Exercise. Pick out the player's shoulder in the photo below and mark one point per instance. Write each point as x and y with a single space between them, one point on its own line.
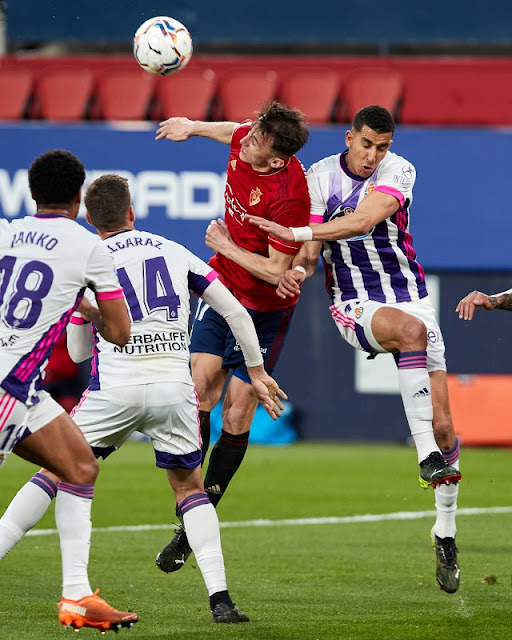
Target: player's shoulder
326 165
392 160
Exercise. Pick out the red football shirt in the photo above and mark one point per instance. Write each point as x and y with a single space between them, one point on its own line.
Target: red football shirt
281 196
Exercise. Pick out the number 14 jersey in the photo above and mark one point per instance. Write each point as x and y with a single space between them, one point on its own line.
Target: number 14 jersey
157 276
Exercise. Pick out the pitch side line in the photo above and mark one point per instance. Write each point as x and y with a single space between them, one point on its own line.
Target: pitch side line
370 517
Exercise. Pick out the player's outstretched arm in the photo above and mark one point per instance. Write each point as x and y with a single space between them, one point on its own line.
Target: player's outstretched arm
466 307
179 129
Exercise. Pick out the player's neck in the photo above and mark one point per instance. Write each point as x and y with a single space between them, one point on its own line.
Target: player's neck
55 211
106 234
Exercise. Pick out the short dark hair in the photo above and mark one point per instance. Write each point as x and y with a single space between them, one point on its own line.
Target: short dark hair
287 127
375 117
107 200
55 177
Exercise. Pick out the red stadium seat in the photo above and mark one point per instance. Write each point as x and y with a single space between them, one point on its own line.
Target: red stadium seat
63 94
15 89
370 86
187 94
312 92
125 95
243 93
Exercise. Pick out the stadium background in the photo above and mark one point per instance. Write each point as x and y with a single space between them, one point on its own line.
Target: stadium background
461 213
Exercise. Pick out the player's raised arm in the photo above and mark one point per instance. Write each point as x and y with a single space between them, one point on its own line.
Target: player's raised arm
179 129
265 387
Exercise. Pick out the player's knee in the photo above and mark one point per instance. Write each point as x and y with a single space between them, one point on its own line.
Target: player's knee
413 335
82 472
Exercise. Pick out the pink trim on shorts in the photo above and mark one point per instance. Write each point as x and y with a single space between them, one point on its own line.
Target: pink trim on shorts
340 317
110 295
9 403
392 192
213 275
79 403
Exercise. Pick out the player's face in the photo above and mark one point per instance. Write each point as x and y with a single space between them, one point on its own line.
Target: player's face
366 148
257 151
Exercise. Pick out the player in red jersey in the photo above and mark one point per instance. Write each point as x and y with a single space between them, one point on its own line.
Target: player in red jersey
263 178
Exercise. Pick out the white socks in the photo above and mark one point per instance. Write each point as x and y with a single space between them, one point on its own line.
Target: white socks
414 383
26 509
73 518
203 533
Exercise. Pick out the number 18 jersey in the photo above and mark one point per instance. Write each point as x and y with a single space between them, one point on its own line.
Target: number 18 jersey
46 262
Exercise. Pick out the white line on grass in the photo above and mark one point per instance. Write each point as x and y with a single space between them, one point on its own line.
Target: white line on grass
370 517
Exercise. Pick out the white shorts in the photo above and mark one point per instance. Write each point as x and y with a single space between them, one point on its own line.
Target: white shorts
167 412
354 321
18 421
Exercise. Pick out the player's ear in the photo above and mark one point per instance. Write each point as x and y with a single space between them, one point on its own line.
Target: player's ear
277 163
131 214
87 217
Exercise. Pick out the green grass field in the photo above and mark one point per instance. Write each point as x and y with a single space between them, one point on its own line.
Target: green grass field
296 581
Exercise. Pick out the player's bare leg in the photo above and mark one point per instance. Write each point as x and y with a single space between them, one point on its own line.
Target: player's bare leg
61 447
403 334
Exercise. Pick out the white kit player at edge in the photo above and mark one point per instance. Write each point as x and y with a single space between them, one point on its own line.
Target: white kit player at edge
146 384
46 263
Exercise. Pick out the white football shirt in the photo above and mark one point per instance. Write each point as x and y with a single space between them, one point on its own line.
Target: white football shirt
157 276
380 265
46 262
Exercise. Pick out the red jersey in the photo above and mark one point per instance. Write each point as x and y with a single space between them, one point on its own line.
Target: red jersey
281 196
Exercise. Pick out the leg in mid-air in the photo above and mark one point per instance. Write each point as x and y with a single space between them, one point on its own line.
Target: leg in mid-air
406 336
444 529
61 448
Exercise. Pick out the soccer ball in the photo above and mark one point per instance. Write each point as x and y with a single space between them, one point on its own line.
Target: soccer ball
162 46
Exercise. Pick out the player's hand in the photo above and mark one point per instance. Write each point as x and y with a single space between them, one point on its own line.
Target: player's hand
267 391
218 237
466 307
272 228
175 129
87 310
289 283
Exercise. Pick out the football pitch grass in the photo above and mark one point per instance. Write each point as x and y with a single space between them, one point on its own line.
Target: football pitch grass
318 576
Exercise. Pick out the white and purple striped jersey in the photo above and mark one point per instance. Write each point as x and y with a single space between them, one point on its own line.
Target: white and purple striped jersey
46 263
157 276
381 265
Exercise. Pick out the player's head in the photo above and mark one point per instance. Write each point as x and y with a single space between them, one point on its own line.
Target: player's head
108 203
369 139
277 134
55 179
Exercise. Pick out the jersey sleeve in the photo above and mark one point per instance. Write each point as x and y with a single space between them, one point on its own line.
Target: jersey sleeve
200 274
100 275
397 178
318 205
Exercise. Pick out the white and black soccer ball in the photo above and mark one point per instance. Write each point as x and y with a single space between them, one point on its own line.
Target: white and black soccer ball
162 45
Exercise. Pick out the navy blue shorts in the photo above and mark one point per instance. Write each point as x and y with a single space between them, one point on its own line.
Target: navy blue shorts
211 334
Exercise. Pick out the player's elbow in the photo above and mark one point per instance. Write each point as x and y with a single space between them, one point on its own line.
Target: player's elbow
119 333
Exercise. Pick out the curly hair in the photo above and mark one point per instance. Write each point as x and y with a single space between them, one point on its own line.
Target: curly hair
55 177
375 117
107 200
286 127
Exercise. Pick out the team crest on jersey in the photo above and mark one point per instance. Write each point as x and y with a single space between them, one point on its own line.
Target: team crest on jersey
358 312
370 188
233 164
255 197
